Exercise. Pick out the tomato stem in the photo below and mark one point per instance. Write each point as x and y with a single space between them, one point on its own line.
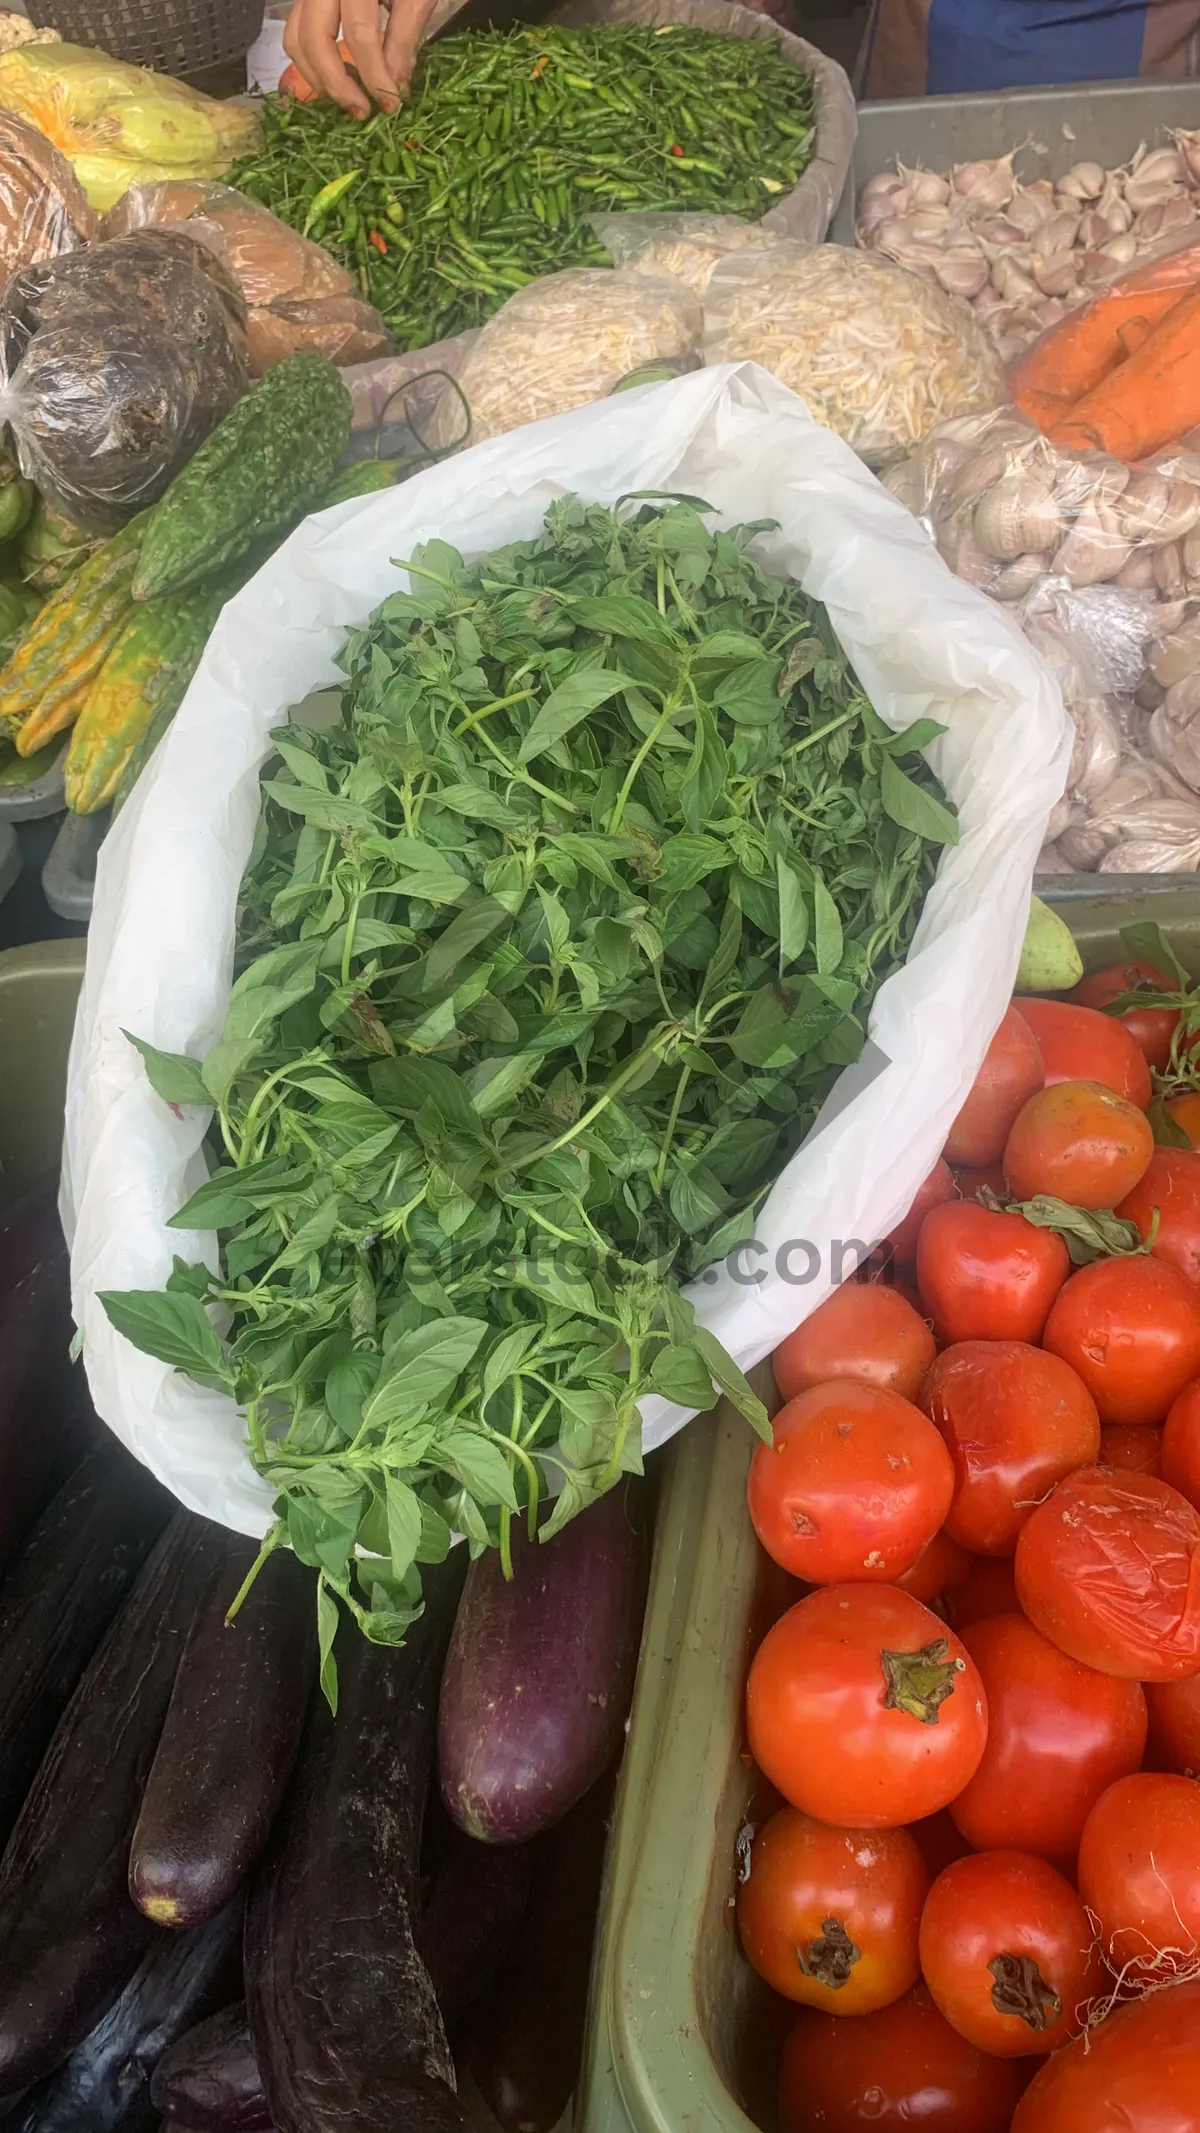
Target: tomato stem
831 1958
1021 1990
919 1682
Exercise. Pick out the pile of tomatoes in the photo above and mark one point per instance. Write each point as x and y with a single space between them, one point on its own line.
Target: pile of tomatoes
983 1710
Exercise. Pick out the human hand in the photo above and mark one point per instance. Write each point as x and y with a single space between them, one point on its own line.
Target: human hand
384 62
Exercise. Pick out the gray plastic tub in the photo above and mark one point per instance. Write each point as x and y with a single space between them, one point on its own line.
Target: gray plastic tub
69 875
1049 128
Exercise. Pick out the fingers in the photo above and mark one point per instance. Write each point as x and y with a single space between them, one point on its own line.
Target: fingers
401 43
310 38
360 34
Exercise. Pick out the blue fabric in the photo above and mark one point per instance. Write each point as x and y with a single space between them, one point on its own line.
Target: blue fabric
1010 44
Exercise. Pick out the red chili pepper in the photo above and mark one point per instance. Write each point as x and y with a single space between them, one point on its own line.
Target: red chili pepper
676 150
412 143
539 66
373 237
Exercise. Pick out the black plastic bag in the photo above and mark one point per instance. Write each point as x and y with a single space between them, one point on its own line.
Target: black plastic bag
115 363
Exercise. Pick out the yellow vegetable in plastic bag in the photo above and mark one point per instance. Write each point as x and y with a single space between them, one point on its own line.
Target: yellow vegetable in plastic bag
120 125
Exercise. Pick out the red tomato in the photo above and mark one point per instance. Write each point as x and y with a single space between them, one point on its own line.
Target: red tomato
941 1567
1139 1875
938 1186
1131 1448
864 1330
1174 1712
1138 2072
1169 1189
1007 1953
1151 1028
1016 1420
1131 1328
854 1486
863 1709
1058 1734
1078 1044
1080 1143
985 1276
903 2070
938 1841
990 1590
829 1917
1011 1071
1181 1444
1109 1569
1185 1110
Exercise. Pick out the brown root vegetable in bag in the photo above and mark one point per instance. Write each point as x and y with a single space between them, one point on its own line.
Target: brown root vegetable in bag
115 364
297 297
43 209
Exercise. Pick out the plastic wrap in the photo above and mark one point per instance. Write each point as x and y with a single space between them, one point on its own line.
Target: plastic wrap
120 125
296 296
687 246
564 340
160 945
115 364
43 210
878 355
1099 562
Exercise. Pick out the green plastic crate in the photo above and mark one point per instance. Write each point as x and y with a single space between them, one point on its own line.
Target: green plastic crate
682 2036
39 986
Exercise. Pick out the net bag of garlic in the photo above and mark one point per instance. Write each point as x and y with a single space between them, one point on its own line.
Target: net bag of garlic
1024 255
566 339
877 355
1099 561
688 246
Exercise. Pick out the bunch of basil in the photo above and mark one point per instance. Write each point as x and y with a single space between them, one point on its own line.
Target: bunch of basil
550 948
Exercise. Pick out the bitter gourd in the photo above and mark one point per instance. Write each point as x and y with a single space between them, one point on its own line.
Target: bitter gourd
66 643
361 478
146 674
251 479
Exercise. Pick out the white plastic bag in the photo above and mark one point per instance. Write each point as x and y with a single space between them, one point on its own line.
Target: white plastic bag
161 941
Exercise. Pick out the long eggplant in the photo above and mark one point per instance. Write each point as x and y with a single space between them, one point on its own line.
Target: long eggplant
62 1590
37 1412
342 2012
525 2041
210 2081
474 1904
540 1672
104 2085
70 1939
229 1741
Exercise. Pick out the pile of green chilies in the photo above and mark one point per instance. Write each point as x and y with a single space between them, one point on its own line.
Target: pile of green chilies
485 180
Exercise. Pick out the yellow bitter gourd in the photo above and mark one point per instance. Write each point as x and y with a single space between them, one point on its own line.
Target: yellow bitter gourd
144 679
67 642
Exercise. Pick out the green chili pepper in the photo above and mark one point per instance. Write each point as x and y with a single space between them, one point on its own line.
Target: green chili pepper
329 196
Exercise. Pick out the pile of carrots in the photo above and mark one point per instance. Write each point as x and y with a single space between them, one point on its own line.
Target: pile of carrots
1123 374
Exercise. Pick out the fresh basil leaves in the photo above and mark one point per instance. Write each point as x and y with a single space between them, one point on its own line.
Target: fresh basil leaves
549 951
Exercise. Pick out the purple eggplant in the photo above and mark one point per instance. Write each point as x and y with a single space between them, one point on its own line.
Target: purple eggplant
38 1413
540 1672
210 2081
230 1740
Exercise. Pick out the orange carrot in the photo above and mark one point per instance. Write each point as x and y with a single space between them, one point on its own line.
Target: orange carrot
1146 401
1077 354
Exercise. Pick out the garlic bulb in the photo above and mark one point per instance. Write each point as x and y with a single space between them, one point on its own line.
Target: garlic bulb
962 271
988 184
1017 517
1084 181
1055 273
1017 580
